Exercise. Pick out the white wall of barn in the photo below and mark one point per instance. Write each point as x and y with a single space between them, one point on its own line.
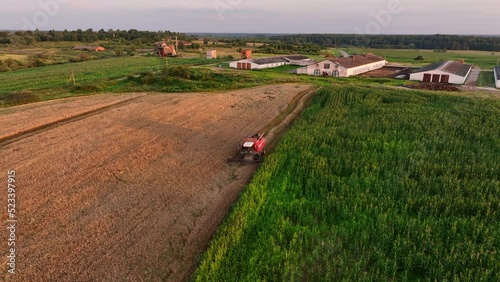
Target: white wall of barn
255 66
365 68
328 67
234 64
454 79
270 65
310 70
497 78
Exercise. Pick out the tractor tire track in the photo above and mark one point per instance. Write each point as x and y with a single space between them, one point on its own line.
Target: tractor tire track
275 132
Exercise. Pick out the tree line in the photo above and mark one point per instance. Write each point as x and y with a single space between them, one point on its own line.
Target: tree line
87 36
312 41
275 43
433 42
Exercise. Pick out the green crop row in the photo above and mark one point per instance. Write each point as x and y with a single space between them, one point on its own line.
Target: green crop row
371 185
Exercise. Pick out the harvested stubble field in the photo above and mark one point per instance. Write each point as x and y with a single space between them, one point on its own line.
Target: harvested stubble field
132 192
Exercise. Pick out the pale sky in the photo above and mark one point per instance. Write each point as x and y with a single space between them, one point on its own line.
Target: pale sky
257 16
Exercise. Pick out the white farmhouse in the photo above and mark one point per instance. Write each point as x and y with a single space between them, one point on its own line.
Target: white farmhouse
443 72
344 67
496 72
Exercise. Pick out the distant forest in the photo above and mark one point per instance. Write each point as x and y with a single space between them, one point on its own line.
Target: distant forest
87 36
436 42
431 42
274 43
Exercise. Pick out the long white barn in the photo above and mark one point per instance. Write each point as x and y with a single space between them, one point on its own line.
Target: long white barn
443 72
344 67
273 62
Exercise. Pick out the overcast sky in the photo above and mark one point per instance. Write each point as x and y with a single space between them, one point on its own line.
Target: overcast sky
257 16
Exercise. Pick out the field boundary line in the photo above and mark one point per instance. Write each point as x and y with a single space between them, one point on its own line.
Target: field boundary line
50 125
298 106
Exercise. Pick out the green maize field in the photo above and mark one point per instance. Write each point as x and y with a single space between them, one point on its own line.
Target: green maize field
371 185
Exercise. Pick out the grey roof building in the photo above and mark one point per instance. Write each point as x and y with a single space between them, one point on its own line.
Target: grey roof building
443 72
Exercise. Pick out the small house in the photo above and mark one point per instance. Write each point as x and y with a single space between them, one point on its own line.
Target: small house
443 72
246 54
163 49
212 54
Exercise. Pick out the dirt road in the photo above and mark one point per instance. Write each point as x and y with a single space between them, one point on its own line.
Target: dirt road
343 53
131 192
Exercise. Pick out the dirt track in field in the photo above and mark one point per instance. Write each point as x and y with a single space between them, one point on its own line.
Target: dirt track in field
132 191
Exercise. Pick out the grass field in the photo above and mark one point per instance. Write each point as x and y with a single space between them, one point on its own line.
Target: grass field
105 74
485 60
486 79
371 185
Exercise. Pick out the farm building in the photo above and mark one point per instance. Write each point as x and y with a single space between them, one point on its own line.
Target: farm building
89 48
257 64
298 60
163 49
273 62
212 54
443 72
344 67
496 71
246 54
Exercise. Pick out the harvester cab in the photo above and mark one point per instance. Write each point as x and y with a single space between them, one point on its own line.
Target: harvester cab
252 149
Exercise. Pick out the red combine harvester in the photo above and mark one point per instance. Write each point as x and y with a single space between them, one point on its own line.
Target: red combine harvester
252 149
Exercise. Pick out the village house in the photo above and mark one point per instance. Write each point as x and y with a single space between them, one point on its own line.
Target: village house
89 48
443 72
212 54
344 67
246 54
163 49
496 72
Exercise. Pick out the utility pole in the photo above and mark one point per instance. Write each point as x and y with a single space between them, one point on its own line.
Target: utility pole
72 78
